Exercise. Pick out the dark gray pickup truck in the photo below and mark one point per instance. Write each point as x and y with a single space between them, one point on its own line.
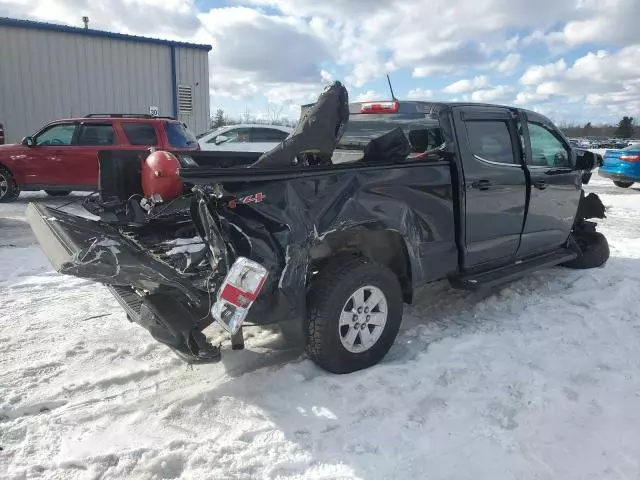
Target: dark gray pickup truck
330 233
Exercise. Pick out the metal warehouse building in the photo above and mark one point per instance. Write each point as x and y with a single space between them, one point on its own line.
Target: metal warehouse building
48 72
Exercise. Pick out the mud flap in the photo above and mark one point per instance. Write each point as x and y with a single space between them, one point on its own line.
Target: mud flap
590 206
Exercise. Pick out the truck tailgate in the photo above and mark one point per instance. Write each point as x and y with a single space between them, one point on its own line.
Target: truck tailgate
97 251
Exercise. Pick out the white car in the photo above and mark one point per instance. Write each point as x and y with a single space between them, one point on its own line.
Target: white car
244 137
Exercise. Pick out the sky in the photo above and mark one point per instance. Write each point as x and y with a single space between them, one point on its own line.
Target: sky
573 60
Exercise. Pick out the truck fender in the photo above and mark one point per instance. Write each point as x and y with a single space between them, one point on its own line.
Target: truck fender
385 246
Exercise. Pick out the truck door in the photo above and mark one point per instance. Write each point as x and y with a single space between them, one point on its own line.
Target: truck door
554 187
494 185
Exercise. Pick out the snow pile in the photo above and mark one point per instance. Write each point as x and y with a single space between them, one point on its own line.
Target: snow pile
539 380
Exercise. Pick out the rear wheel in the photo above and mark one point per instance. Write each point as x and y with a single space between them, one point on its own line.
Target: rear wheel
354 312
620 184
595 251
8 189
58 193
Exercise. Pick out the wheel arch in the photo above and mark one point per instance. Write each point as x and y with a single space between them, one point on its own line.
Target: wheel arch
385 246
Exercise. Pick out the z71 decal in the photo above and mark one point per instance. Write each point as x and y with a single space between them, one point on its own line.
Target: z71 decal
255 198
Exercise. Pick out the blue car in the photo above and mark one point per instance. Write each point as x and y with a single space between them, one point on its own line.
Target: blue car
622 166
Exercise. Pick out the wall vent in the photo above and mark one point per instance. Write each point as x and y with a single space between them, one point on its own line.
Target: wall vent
185 100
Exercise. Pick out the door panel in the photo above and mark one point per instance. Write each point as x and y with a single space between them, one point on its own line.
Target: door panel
555 188
494 185
43 161
83 156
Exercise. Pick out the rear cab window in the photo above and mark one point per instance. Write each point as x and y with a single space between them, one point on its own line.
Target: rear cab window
179 136
421 130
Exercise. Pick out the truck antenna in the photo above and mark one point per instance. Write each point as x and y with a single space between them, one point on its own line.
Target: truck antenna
393 97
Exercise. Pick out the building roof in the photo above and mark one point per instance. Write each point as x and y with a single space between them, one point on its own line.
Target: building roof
89 32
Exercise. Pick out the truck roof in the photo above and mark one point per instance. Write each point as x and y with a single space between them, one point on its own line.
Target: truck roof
421 107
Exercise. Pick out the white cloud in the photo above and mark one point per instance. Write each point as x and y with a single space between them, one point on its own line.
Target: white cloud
537 73
510 63
419 94
498 94
614 21
529 97
368 96
467 85
608 83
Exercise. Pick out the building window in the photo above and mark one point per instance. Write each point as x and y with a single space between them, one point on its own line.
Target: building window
185 100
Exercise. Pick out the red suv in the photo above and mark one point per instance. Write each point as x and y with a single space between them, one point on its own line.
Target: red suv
62 156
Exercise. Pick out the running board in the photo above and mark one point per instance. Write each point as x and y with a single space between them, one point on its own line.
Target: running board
514 271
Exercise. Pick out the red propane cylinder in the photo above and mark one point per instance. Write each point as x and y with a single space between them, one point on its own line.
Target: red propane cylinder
160 176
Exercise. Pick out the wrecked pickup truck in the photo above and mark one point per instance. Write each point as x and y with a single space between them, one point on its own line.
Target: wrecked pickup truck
330 233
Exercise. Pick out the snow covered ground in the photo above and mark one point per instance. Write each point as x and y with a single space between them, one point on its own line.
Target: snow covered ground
539 380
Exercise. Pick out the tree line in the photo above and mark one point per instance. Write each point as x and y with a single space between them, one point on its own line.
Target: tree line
273 117
624 129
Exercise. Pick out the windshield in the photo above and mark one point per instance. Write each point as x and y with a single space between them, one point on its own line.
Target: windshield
423 134
208 132
179 136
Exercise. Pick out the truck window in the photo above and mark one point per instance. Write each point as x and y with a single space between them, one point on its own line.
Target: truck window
423 134
267 135
235 135
96 134
547 150
59 134
490 140
140 133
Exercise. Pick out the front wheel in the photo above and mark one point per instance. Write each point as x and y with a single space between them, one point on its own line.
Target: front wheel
595 251
58 193
354 312
620 184
8 189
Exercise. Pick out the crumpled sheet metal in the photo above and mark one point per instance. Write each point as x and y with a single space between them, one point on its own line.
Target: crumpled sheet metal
301 212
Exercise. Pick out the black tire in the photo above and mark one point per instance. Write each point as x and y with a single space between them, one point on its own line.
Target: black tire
58 193
329 293
8 189
620 184
595 251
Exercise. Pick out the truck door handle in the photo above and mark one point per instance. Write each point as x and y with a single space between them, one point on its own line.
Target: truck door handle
481 184
540 184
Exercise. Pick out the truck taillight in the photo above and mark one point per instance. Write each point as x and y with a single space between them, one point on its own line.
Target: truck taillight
380 107
237 293
630 158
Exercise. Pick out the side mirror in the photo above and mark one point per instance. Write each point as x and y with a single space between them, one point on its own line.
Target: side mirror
221 139
585 160
28 141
